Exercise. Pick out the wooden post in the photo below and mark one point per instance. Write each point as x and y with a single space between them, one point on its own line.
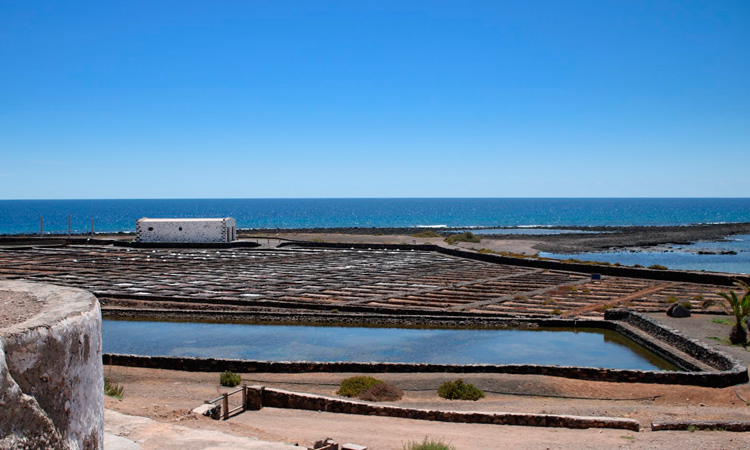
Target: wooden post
41 225
244 396
225 406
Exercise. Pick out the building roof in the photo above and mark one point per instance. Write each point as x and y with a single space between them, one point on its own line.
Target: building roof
179 219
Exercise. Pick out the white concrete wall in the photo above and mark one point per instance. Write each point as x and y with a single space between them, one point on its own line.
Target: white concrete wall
186 230
51 376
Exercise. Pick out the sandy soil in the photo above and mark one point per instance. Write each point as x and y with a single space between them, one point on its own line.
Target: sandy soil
496 244
16 307
168 396
607 238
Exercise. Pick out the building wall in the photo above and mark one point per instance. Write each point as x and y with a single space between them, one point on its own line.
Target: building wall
181 230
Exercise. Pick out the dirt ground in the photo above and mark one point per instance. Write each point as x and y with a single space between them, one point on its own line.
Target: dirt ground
495 244
168 396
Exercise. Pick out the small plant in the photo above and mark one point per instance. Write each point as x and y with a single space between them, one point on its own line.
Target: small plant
548 301
556 312
229 379
658 267
112 389
384 392
698 297
722 321
428 444
586 290
458 390
739 308
638 266
572 288
519 297
692 428
463 237
686 305
352 387
426 234
671 299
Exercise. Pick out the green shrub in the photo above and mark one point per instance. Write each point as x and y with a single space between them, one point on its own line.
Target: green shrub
671 299
112 389
352 387
384 392
426 234
428 444
229 379
658 267
686 305
463 237
458 390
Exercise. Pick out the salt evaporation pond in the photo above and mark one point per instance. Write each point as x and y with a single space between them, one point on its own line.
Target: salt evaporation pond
547 346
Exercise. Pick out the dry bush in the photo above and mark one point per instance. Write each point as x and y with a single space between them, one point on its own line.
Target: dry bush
385 392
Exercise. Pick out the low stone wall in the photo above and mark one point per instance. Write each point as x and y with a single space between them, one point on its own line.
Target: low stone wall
674 338
709 379
701 425
51 377
277 398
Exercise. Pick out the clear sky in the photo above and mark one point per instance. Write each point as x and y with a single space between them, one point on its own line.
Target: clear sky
265 99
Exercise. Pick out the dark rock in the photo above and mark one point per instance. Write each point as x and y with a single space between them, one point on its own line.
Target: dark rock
678 311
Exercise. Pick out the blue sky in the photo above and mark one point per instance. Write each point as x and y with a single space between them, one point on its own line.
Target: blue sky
256 99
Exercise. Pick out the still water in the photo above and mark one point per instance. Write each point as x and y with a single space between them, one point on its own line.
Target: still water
547 346
730 255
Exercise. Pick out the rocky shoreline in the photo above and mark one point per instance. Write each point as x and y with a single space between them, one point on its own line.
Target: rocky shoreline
596 238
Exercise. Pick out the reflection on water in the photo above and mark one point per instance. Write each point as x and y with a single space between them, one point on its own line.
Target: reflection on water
556 346
699 256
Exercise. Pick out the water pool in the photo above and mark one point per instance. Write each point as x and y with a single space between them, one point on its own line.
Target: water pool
729 255
587 347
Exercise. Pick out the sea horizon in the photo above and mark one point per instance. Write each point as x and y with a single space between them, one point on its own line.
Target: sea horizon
120 215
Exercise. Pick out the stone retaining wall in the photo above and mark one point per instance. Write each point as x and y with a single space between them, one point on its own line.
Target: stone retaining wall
674 338
701 425
277 398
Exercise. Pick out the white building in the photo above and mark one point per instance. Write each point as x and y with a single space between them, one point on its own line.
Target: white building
186 230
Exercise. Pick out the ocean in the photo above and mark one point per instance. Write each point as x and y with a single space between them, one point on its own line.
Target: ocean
23 216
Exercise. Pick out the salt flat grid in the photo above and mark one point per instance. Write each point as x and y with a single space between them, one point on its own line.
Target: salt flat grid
245 280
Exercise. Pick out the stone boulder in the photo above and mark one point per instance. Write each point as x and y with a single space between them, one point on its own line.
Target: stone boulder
678 311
